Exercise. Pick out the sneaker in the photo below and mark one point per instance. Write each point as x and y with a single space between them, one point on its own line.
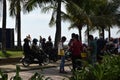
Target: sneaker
40 64
64 72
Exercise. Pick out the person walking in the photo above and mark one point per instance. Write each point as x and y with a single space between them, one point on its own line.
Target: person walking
62 55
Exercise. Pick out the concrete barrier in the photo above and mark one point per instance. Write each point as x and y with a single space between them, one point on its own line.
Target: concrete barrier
9 60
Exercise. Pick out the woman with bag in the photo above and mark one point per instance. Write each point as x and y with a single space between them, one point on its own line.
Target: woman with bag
62 54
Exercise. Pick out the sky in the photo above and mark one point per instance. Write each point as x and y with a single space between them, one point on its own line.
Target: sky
36 24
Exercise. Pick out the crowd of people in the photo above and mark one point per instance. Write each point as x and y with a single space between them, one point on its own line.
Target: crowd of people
31 47
95 49
31 50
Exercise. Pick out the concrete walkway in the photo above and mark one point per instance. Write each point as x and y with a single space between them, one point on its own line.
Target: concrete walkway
53 73
50 70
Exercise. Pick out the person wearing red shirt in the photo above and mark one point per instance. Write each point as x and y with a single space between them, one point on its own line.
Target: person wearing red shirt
76 49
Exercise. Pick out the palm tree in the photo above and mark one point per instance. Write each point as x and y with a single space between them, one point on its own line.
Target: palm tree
4 27
78 16
81 11
116 15
58 24
73 19
35 3
108 15
0 8
105 17
15 11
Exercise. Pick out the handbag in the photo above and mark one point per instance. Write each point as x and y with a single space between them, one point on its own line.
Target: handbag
83 54
61 52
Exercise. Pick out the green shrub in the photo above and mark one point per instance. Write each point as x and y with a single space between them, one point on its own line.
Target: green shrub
11 54
112 67
17 76
3 76
109 69
38 76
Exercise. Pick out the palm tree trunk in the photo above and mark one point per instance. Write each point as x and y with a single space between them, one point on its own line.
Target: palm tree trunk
18 26
103 33
58 24
88 33
4 27
80 34
109 33
0 8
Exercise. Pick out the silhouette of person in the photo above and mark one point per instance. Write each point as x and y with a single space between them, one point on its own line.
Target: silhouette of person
43 44
101 45
36 51
49 48
40 41
26 47
29 38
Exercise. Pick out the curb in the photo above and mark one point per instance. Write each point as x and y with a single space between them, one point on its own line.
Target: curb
9 60
41 67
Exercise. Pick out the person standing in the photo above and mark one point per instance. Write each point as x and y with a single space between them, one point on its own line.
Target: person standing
101 46
49 48
40 41
29 38
92 47
26 47
43 44
61 53
76 48
71 40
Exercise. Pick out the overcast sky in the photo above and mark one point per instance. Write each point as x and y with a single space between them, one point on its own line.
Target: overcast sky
37 24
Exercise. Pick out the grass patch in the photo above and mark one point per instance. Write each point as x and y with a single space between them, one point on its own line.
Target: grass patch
11 54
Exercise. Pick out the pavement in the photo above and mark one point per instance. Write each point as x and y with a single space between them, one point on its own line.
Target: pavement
51 70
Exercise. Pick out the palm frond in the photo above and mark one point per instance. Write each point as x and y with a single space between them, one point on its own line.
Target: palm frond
30 5
118 31
0 8
12 8
66 17
47 8
53 19
15 6
72 25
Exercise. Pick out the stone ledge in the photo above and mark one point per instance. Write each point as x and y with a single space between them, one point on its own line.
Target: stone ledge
9 60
